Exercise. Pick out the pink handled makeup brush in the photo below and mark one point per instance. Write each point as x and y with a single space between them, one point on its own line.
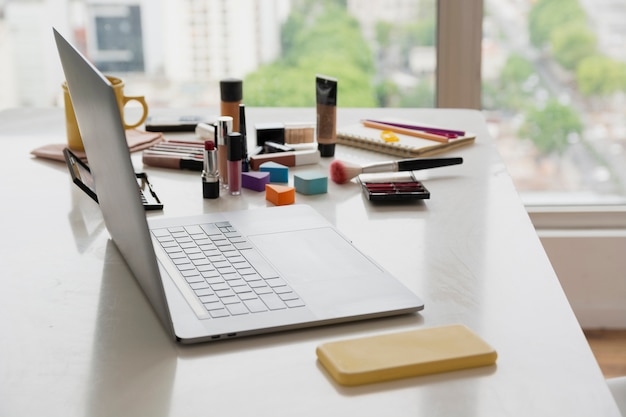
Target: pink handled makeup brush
342 172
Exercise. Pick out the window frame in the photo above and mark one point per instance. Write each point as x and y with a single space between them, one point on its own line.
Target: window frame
459 84
459 54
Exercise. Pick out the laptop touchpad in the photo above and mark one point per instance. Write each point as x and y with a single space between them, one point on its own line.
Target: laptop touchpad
314 254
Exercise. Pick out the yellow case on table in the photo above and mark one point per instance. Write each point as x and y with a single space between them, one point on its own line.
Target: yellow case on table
405 354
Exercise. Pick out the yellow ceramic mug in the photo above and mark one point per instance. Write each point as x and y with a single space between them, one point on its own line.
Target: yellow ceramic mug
74 141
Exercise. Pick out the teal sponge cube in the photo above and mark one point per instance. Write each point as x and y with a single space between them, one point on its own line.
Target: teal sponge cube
278 172
310 183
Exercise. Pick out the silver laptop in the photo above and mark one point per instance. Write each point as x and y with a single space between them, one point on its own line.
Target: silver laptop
230 274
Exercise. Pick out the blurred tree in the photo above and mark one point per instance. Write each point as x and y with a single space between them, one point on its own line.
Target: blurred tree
571 43
516 70
319 37
549 128
421 96
509 91
600 76
387 94
395 44
547 15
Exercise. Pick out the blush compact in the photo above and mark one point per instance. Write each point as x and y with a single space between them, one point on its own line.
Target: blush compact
393 186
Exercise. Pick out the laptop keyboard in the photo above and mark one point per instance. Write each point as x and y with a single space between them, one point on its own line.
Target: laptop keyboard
227 274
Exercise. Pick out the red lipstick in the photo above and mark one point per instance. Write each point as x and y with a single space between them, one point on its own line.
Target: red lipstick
210 175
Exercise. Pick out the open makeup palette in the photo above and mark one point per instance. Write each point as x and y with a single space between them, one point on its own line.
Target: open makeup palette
393 186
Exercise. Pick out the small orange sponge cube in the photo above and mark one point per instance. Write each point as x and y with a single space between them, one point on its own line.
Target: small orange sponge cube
280 195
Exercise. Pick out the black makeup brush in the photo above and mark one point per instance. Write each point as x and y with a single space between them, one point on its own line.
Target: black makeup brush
342 172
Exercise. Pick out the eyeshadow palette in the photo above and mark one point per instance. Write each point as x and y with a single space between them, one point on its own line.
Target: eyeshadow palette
395 186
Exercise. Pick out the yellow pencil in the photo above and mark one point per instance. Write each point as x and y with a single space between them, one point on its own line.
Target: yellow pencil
409 132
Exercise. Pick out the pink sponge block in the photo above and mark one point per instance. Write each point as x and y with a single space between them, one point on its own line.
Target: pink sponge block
280 195
255 180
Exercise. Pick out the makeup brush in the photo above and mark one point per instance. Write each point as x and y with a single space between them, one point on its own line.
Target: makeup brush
342 172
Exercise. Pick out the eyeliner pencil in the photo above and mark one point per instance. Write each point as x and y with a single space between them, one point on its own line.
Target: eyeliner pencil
436 130
405 131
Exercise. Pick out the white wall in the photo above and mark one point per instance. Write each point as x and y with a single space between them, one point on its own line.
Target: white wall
591 265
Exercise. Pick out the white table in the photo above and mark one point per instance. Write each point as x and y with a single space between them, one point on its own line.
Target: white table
80 339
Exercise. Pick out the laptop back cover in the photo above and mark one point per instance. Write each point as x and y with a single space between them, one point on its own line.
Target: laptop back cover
103 135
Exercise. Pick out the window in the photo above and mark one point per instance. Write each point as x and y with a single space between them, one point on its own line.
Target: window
553 90
116 41
554 84
175 52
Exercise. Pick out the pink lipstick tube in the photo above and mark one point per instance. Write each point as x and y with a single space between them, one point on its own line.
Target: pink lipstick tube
235 154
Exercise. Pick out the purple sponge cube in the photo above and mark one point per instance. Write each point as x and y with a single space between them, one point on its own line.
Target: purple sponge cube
255 180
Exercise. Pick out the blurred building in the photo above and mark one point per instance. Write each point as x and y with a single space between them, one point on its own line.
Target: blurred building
173 51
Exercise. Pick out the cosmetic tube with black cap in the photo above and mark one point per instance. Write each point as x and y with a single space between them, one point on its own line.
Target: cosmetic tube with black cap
231 94
245 162
235 153
326 98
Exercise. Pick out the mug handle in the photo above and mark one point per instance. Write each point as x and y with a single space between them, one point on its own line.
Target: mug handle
144 105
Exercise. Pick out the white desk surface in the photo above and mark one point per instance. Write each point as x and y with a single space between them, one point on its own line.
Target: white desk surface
80 339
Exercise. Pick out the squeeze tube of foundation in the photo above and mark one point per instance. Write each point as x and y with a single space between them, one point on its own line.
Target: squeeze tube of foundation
326 99
231 94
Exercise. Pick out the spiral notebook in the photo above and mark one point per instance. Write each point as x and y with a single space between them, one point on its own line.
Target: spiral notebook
407 146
